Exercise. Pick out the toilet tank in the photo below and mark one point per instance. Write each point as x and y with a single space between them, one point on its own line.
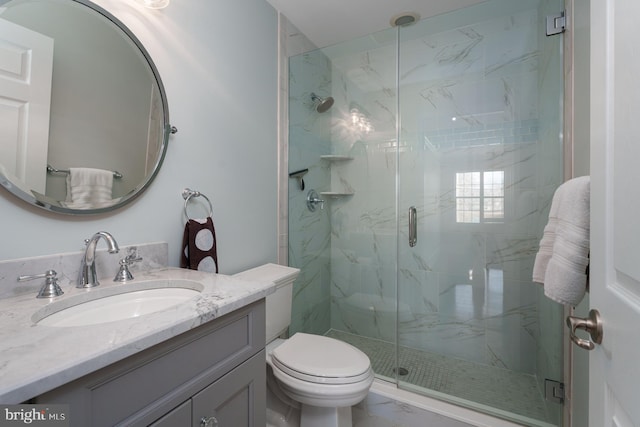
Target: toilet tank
278 304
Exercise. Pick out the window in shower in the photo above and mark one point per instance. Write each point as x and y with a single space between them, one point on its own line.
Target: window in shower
479 197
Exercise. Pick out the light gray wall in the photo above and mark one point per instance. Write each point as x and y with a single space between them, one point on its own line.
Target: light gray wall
220 74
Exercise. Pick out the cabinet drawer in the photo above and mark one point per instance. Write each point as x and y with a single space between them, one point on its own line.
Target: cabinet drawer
140 389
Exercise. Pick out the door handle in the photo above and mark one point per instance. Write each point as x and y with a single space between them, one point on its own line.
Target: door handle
413 226
591 324
208 422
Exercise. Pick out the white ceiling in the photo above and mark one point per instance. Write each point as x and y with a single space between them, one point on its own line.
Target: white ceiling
327 22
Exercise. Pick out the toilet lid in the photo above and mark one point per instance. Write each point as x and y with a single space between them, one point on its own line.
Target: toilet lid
321 359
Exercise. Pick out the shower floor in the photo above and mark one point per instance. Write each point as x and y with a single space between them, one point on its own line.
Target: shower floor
498 388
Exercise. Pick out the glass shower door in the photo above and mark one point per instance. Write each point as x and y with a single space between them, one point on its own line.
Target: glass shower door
460 117
479 156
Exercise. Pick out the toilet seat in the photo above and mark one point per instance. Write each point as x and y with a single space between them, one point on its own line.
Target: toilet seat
323 395
321 360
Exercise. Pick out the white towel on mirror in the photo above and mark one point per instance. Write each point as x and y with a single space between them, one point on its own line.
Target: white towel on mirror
87 187
565 270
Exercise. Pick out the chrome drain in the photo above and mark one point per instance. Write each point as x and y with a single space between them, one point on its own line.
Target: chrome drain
401 371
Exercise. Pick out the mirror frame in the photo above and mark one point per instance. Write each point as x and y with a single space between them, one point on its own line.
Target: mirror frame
167 130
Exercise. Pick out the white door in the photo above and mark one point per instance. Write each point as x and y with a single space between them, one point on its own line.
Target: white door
26 64
614 365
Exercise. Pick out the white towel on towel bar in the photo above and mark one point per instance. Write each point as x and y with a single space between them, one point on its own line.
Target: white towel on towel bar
563 259
89 188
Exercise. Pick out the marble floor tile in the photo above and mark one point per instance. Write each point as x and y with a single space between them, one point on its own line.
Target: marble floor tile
498 388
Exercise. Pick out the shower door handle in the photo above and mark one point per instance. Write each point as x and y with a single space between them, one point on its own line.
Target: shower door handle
413 227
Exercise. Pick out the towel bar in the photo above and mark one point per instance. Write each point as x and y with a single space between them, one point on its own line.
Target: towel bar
188 193
51 169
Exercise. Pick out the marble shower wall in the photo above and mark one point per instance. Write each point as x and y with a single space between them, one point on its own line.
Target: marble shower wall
472 98
309 232
477 90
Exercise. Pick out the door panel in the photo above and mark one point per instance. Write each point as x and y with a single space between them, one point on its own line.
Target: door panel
614 385
26 67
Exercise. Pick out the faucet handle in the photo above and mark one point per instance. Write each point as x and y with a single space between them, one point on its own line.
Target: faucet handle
123 273
132 255
313 199
50 289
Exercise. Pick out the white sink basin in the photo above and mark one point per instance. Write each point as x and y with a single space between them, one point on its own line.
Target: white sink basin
110 308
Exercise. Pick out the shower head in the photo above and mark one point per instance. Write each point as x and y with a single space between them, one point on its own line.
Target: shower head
405 19
321 104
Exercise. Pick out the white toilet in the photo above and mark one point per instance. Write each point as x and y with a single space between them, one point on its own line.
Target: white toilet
319 376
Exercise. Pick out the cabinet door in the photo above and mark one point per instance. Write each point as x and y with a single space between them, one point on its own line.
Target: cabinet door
180 416
238 399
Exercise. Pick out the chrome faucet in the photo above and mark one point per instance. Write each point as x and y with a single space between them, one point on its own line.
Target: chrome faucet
124 274
88 277
50 289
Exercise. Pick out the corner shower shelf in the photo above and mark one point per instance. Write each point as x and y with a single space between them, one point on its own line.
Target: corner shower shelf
335 194
335 157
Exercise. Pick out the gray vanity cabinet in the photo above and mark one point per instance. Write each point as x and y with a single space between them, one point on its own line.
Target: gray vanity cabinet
243 388
227 402
214 372
180 416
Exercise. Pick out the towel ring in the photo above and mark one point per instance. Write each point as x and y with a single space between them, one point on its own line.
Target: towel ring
188 193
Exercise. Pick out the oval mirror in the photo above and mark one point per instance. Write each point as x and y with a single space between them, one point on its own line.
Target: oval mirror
84 122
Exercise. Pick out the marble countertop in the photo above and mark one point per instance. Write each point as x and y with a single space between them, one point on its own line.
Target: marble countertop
35 358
